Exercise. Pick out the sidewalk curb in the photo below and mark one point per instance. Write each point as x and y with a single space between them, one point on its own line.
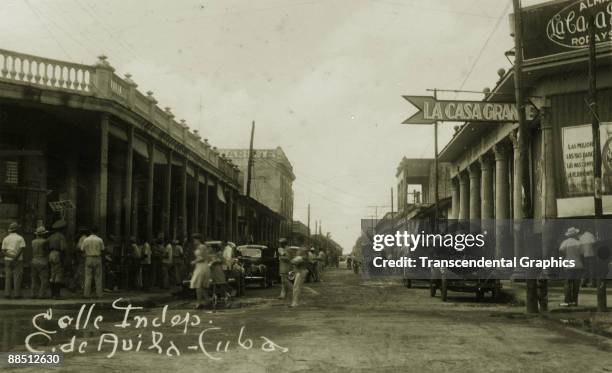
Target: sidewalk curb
555 315
68 304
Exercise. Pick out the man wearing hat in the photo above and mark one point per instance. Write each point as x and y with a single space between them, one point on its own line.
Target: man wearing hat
571 249
57 254
40 264
12 250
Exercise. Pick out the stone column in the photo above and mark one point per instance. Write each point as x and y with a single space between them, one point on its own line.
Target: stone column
517 208
150 190
101 187
502 201
213 208
486 187
183 201
455 195
474 172
196 200
487 226
135 203
205 211
230 212
167 195
549 198
71 189
464 196
117 185
127 203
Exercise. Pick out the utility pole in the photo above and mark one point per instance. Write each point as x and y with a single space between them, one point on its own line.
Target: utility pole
250 162
602 305
309 223
523 143
248 186
436 196
392 203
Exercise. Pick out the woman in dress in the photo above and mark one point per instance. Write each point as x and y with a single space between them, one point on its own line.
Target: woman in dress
200 278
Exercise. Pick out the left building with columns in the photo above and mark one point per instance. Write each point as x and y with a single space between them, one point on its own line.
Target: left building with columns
81 143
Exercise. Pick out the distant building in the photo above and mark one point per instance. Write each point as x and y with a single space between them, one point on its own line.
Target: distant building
416 182
271 180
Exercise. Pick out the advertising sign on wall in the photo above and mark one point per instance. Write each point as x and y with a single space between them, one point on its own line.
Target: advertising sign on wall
559 27
577 142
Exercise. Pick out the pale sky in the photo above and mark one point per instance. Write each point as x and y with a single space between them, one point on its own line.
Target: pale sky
323 79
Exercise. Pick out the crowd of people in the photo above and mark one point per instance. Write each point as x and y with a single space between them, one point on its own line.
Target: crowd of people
91 266
54 263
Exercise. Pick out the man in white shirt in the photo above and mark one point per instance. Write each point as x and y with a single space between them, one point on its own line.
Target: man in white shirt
12 251
93 246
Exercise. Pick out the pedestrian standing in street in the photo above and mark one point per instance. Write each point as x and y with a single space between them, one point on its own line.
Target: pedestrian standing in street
12 250
300 268
57 252
78 279
178 262
284 267
166 265
571 249
321 263
200 278
134 258
146 260
66 253
93 247
40 264
313 272
587 240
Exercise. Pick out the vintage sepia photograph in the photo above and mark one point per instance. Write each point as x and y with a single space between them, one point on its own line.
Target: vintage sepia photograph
306 186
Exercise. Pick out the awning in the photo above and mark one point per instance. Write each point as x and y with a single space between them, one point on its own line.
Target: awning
220 194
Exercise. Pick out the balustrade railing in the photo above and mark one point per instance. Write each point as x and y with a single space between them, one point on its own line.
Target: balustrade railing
100 80
45 72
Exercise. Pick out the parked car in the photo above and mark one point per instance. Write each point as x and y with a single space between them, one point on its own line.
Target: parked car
260 264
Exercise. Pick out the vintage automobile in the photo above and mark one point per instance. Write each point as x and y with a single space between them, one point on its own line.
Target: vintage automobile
473 284
260 264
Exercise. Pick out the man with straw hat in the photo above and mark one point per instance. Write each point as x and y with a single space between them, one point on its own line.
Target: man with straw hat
12 250
571 249
40 264
57 253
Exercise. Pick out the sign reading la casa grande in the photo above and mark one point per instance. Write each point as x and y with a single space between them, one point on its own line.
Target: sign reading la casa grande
432 110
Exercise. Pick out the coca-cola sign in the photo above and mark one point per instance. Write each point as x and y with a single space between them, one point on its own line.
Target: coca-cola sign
562 26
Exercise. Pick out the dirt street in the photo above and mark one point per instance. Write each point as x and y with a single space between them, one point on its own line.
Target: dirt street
346 324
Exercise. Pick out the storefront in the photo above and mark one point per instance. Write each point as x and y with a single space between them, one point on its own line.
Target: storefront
485 157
